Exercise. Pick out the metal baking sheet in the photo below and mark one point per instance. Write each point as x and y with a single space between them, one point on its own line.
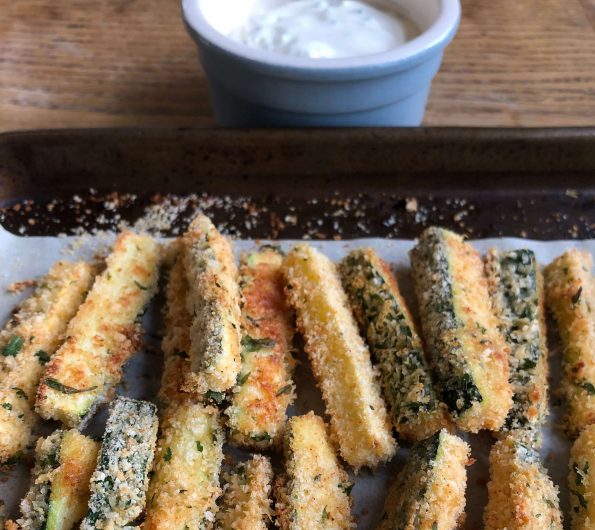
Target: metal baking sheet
325 185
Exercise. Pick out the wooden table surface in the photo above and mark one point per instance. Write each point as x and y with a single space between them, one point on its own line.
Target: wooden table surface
75 63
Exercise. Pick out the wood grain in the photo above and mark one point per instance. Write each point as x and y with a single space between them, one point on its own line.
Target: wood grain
74 63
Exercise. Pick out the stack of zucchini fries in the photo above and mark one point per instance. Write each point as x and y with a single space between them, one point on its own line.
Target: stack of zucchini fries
475 359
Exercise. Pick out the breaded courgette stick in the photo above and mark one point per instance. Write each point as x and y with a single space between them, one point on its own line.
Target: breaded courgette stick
120 480
521 496
340 360
214 303
397 350
314 491
467 351
264 390
581 481
246 503
27 344
570 295
429 492
176 338
103 334
516 288
59 493
185 484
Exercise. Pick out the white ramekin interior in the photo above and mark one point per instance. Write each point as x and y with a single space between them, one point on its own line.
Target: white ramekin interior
211 20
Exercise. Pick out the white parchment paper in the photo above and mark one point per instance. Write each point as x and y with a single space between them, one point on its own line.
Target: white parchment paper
29 258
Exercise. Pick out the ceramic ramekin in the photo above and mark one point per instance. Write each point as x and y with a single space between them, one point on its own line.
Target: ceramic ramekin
251 87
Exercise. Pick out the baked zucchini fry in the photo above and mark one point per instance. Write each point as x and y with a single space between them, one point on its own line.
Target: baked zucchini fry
214 303
516 288
176 339
120 480
27 343
59 492
581 481
521 496
386 322
185 484
103 334
467 352
246 503
34 506
570 294
314 491
340 360
429 492
264 389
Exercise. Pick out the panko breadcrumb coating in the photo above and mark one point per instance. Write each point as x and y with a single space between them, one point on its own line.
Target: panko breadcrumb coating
516 289
28 342
429 492
59 492
103 334
264 389
214 305
185 484
314 491
386 322
570 296
120 480
246 502
521 496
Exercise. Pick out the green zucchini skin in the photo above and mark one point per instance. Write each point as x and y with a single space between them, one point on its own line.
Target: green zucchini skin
516 290
397 350
432 271
468 354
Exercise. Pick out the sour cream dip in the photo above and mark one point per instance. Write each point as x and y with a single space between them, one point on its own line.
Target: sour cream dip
324 29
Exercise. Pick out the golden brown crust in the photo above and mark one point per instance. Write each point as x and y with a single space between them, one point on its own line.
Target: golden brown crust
102 335
570 294
41 322
246 504
176 338
257 413
314 492
520 494
213 302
